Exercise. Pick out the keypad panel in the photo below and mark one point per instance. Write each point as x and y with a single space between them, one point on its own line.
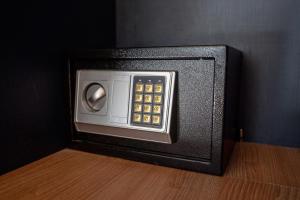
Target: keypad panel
148 101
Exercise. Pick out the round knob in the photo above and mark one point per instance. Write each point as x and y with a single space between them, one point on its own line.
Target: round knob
95 96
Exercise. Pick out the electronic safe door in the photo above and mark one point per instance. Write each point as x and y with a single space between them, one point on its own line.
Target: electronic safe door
129 104
193 103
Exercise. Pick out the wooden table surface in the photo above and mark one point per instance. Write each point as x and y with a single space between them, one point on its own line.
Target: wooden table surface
255 172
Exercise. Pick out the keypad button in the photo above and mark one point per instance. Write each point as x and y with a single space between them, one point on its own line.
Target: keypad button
137 118
138 98
149 88
146 118
139 87
157 109
158 99
137 107
158 88
148 98
156 119
147 108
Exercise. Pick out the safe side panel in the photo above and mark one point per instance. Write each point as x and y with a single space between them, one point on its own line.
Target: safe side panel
194 106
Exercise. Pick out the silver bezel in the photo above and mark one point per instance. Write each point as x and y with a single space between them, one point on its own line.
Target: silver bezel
83 77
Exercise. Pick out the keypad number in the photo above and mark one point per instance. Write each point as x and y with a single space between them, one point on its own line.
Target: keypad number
148 98
138 98
146 118
156 119
137 107
149 88
158 99
158 88
137 118
157 109
139 87
147 108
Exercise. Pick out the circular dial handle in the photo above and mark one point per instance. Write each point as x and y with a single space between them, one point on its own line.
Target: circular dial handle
95 96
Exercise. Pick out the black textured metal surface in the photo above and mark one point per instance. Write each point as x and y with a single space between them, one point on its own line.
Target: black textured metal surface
199 120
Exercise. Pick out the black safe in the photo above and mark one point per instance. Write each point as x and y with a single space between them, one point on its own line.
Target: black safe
199 101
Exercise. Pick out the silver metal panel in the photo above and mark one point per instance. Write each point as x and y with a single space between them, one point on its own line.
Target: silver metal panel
124 133
119 105
114 118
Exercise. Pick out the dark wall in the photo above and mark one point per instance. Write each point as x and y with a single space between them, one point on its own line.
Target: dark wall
267 32
37 35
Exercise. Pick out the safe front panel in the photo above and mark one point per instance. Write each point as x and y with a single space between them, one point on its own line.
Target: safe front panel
203 126
192 125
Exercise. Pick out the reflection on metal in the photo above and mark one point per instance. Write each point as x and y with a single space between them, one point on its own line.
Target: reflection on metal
95 96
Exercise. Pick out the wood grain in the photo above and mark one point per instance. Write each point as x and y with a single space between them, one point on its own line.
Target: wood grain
266 164
255 172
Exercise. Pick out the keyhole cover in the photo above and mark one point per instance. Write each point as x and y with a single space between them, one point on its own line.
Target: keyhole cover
95 96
